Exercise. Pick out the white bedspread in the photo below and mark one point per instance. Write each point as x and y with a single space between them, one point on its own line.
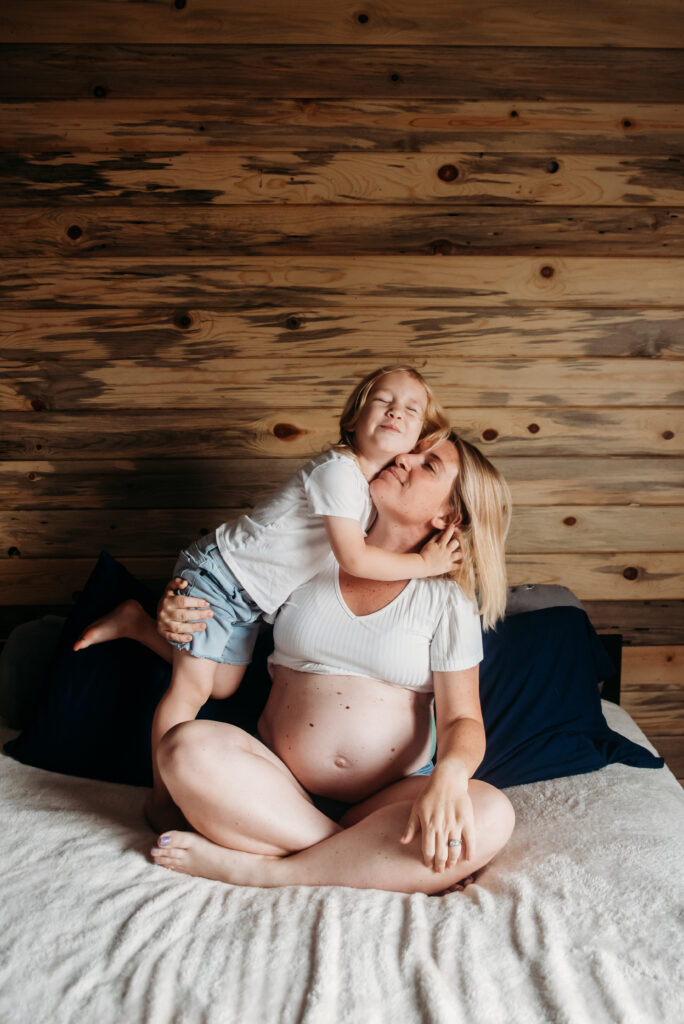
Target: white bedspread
579 921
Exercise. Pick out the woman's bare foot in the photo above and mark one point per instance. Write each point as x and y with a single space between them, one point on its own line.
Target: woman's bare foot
161 814
124 621
192 854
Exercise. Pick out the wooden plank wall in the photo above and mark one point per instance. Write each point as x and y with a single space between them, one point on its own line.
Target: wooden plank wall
214 219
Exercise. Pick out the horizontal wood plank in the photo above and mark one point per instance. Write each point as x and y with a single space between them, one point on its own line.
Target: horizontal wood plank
399 282
595 577
176 334
149 381
294 432
61 534
220 70
455 22
639 623
240 483
424 229
453 177
650 669
489 126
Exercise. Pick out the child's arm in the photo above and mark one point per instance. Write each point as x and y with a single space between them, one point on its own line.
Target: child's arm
439 555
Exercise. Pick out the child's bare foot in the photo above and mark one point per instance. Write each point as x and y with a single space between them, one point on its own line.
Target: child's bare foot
122 622
161 813
192 854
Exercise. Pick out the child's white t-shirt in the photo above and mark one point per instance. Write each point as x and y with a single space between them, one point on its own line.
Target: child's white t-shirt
282 543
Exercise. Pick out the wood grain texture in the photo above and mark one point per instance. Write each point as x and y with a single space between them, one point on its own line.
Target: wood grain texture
302 433
595 577
404 282
352 230
220 70
130 482
58 533
180 333
151 380
450 176
640 623
322 22
339 125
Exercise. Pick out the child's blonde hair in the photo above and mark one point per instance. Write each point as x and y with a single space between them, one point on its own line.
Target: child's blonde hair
481 505
435 423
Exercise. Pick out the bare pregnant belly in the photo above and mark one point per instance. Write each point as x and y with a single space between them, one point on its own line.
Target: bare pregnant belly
344 736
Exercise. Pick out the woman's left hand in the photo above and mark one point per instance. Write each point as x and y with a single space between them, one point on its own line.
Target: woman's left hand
443 812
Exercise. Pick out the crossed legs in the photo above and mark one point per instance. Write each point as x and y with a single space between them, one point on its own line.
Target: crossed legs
259 827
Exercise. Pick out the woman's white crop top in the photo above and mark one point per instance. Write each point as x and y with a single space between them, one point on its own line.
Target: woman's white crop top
430 626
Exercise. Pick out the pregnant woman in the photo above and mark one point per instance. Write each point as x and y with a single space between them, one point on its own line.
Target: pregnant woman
337 787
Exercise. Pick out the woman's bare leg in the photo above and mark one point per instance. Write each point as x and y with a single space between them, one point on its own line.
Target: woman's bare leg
237 792
128 620
366 855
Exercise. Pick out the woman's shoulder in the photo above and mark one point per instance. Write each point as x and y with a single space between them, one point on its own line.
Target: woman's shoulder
444 593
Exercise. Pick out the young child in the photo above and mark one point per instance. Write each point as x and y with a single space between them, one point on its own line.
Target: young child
249 567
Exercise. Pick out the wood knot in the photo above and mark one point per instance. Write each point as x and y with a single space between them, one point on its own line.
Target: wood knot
31 476
73 231
552 167
490 434
547 271
533 428
293 323
362 18
286 431
395 77
14 552
569 520
442 247
630 573
447 172
182 320
667 435
626 123
179 4
513 113
100 91
39 405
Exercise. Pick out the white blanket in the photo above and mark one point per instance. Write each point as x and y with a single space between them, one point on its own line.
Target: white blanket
580 920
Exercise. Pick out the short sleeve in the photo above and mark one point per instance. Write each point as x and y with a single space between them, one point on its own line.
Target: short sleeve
338 488
457 641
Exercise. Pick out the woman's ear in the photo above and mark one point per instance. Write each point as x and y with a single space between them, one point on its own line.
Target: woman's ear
441 522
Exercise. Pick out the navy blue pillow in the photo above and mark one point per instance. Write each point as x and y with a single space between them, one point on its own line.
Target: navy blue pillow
95 713
540 701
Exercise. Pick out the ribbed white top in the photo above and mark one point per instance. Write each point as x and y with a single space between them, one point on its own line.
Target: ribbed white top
430 626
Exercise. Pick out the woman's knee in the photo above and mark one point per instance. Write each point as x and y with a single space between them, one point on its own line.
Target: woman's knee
190 749
494 815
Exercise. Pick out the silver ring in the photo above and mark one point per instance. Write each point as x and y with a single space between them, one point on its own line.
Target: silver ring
455 843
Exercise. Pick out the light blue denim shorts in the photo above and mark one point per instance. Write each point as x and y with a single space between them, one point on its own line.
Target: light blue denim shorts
231 633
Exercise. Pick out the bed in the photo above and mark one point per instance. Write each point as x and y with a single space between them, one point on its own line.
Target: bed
579 919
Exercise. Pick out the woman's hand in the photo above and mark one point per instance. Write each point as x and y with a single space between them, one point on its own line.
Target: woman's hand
177 616
442 553
443 812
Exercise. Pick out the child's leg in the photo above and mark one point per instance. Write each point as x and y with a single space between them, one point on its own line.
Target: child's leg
193 682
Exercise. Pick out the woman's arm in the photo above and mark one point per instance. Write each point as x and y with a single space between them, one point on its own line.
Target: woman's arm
355 556
177 616
444 810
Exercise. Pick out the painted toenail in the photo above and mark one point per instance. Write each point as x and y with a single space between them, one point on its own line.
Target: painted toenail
165 840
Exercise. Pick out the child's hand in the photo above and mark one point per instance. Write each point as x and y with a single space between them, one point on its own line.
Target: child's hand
442 553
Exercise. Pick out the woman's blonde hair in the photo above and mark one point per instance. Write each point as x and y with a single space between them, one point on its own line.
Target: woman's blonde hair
481 505
435 423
